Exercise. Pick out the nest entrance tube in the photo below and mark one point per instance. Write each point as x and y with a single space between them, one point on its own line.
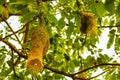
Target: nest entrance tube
34 66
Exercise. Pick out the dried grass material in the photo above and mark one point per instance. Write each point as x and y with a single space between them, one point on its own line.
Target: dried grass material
39 47
34 63
88 24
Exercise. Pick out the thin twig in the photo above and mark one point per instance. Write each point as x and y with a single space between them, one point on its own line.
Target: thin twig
13 48
108 26
23 49
26 34
27 28
13 67
74 75
99 65
81 61
59 72
48 0
15 14
40 12
100 73
13 33
78 4
84 42
17 61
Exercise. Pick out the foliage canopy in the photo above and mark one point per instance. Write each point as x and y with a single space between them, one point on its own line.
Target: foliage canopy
71 52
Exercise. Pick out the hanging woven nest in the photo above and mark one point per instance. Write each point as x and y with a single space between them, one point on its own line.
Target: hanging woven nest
88 24
39 47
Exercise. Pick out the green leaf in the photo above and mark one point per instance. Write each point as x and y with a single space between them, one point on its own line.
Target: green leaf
1 33
78 20
56 76
63 1
108 76
10 63
89 61
66 57
71 67
17 6
110 6
61 23
52 19
100 9
1 10
70 29
118 75
114 76
118 10
2 58
27 17
2 1
7 71
13 77
103 58
111 38
117 43
13 0
99 60
21 6
118 29
49 31
76 62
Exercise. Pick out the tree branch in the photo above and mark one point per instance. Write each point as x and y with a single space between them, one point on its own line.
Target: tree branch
108 26
13 48
17 61
48 0
99 65
15 14
26 33
13 67
100 74
102 26
78 4
27 28
59 72
73 76
76 78
13 32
